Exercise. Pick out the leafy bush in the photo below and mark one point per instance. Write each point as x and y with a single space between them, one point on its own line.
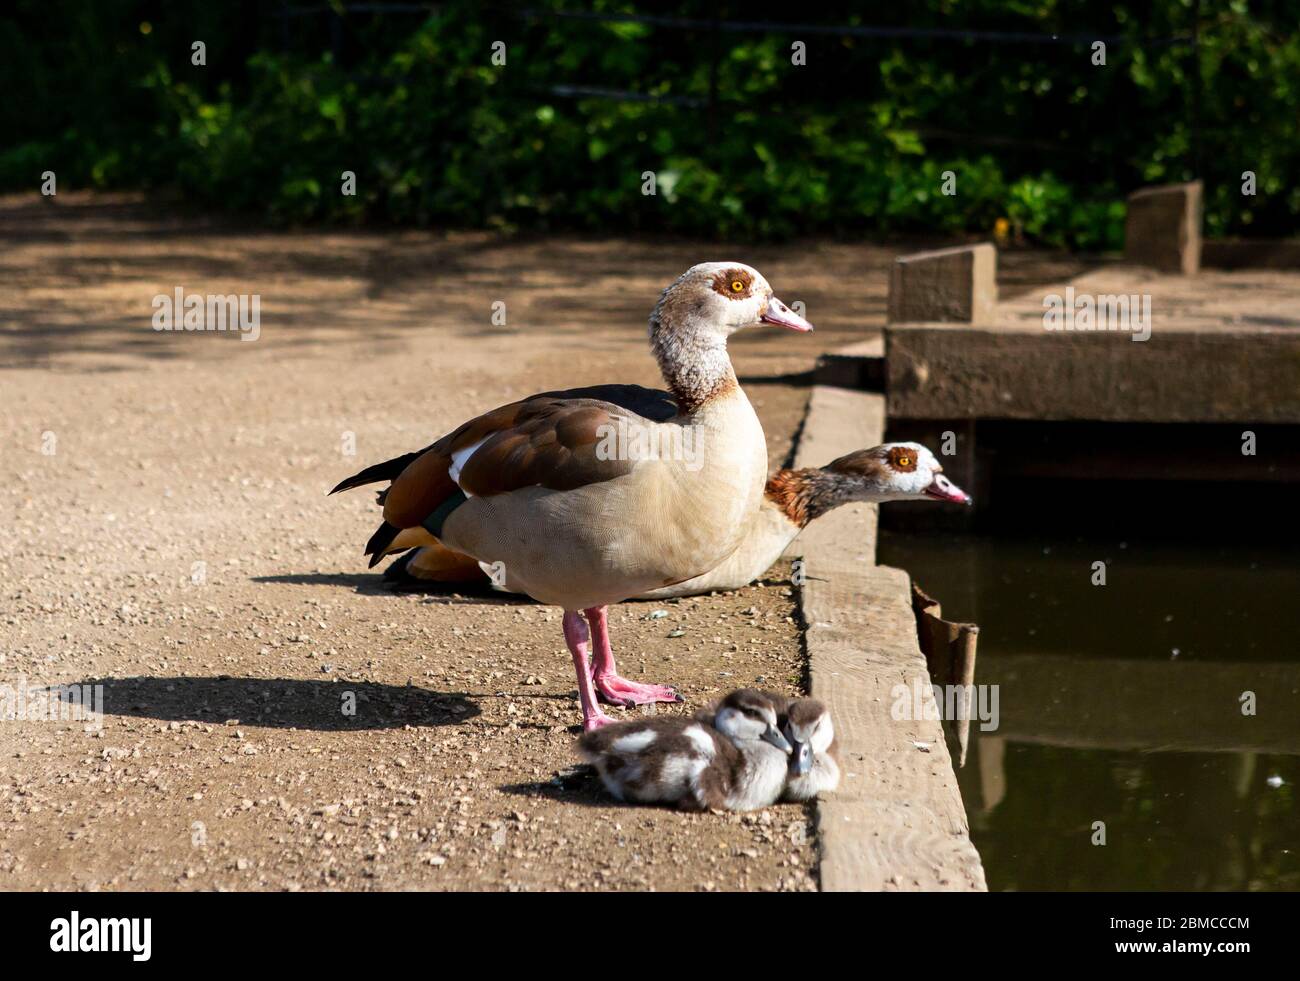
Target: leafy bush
741 141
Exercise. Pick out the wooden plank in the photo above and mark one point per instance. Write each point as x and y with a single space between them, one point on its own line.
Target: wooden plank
950 649
897 821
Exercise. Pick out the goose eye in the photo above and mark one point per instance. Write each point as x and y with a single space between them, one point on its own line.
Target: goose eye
737 286
902 459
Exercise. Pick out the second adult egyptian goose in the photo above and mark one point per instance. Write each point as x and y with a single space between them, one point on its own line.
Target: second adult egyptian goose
580 502
792 498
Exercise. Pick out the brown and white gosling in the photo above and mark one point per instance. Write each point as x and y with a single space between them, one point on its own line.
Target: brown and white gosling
734 760
814 767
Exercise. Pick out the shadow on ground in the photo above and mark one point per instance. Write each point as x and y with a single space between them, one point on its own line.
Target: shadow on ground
470 593
578 785
281 703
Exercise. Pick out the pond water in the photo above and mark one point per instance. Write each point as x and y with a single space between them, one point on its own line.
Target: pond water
1121 705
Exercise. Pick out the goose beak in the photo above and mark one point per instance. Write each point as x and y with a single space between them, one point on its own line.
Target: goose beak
943 489
801 759
781 315
773 735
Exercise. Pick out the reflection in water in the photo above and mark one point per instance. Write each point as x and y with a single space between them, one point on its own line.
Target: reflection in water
1122 704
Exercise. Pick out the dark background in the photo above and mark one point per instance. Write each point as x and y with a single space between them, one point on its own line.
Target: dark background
704 94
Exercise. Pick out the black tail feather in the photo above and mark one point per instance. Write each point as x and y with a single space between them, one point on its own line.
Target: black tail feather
397 576
396 572
380 541
388 470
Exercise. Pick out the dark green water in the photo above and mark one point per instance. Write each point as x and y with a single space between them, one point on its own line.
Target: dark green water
1122 704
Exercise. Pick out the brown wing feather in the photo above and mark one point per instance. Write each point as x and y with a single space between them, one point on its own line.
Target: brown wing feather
547 441
419 489
649 403
553 444
426 482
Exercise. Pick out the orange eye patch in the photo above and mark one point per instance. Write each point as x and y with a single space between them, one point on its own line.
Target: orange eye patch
733 283
902 459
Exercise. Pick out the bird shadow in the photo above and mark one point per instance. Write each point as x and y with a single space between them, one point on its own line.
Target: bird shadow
279 703
578 785
471 593
358 582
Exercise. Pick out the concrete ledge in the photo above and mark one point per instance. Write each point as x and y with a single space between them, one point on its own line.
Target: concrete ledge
949 286
1222 347
897 821
860 366
1163 228
1251 254
1180 376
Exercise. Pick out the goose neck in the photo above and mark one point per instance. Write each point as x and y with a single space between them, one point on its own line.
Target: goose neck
694 363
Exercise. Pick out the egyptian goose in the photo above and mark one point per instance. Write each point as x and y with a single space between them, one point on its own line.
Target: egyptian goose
792 498
814 764
733 758
581 502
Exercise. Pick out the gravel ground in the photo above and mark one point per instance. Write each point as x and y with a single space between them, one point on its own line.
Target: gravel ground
170 539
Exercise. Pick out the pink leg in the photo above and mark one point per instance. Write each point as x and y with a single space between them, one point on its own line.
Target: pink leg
577 637
609 686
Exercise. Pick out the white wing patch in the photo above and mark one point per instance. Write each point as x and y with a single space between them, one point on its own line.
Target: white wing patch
634 742
701 739
458 460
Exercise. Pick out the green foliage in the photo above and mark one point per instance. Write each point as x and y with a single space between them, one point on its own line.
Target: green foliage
742 142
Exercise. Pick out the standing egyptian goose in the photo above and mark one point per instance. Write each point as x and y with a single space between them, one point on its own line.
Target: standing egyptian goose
580 502
731 758
792 498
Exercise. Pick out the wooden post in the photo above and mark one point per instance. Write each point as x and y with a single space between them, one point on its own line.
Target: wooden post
951 285
949 650
1163 228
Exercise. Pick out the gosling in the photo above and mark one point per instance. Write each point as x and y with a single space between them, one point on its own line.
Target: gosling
813 764
734 760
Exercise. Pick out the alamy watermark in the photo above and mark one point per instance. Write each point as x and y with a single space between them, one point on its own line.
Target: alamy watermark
221 312
636 441
102 934
949 703
1109 311
52 703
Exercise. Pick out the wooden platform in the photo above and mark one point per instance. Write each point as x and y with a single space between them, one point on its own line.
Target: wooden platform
1224 347
897 822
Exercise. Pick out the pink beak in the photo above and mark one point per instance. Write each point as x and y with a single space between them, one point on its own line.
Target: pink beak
780 314
943 489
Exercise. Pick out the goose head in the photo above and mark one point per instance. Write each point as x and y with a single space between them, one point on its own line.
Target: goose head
809 731
747 716
895 472
693 319
720 298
